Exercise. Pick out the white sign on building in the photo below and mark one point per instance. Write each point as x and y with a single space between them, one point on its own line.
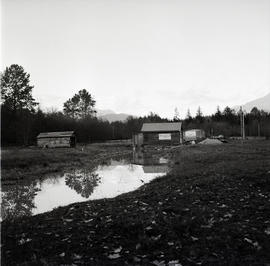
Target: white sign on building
164 136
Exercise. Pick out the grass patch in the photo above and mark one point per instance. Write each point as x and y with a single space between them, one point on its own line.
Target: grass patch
29 163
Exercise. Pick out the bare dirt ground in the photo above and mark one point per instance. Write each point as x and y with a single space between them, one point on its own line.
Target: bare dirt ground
213 208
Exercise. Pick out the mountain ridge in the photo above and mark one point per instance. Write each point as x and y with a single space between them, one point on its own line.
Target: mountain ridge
111 116
262 103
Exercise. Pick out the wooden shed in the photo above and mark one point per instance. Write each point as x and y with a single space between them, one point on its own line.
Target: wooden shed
169 133
137 139
56 139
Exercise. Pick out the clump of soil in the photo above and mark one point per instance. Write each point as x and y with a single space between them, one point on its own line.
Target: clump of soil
208 141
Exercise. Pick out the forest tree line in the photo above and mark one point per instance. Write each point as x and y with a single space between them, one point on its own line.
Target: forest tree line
22 119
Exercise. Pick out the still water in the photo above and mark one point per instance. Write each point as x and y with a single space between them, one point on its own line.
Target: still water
106 180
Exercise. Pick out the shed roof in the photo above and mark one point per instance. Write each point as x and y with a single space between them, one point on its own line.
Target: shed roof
59 134
195 129
161 127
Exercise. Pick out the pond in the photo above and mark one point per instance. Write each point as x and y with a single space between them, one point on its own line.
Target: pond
106 180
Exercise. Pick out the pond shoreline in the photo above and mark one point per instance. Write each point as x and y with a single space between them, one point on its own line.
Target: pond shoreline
106 178
28 163
212 209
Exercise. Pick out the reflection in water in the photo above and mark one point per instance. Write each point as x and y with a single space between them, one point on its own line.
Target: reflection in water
151 163
18 200
107 180
82 181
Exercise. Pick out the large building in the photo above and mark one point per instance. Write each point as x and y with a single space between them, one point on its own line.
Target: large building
160 133
56 139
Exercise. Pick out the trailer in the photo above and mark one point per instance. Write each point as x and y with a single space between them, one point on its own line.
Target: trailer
193 135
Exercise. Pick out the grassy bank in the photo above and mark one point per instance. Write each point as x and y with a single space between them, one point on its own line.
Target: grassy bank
211 209
22 163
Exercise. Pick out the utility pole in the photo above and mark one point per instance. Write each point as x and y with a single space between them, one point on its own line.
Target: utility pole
241 126
244 134
242 123
113 130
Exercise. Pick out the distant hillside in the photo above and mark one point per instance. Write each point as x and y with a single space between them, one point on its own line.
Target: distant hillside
111 116
104 112
114 117
262 103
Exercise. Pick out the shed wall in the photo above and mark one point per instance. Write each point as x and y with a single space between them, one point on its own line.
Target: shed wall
137 139
54 142
153 138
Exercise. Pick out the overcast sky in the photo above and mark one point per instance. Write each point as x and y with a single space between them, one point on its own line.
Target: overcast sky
137 56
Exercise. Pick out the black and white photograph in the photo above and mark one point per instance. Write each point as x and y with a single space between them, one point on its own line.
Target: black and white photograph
135 132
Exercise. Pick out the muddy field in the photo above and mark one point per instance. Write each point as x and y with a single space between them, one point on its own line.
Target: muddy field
213 208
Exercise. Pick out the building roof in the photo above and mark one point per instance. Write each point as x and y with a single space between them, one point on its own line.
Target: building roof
59 134
161 127
195 129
